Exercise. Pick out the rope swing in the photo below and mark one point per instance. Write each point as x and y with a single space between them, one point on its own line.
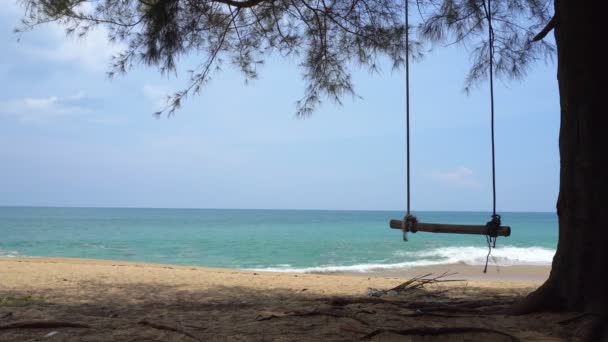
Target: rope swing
492 229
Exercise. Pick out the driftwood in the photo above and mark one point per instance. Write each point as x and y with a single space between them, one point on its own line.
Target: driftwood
42 325
168 328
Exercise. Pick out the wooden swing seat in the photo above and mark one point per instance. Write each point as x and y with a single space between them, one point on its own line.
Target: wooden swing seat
450 228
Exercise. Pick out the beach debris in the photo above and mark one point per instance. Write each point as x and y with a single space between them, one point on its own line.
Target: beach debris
159 326
416 283
52 333
42 324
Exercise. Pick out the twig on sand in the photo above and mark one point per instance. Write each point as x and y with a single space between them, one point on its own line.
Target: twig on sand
42 325
168 328
438 331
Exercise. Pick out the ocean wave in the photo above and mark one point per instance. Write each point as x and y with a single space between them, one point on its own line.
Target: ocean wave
9 254
468 255
502 256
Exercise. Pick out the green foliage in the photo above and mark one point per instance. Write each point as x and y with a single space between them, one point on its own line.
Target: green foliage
514 25
329 37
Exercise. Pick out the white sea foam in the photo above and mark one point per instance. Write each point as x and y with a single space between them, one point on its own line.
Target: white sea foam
501 256
8 254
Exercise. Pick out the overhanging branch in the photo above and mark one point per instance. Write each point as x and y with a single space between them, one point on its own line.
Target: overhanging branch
240 4
550 26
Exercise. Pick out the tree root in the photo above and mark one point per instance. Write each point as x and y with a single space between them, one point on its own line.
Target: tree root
168 328
431 314
577 317
439 331
453 306
42 325
270 316
542 299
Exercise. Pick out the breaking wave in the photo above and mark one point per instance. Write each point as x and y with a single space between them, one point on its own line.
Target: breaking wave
501 256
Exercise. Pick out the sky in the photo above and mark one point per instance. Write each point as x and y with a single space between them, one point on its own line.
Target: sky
70 136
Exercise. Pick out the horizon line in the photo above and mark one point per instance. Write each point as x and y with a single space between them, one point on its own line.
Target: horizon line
269 209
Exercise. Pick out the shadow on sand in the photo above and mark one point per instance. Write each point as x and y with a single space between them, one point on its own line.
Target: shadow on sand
149 312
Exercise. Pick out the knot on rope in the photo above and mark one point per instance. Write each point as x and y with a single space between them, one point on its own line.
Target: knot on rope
492 226
491 234
409 225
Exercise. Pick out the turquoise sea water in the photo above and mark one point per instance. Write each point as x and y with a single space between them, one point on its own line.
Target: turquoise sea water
279 240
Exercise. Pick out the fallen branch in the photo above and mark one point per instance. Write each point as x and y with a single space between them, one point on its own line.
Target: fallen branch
168 328
439 331
415 283
420 281
42 325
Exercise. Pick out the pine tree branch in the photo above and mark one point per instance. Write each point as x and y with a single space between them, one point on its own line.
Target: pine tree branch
241 4
545 31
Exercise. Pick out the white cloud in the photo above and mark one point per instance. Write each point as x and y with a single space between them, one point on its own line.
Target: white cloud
43 104
91 52
460 177
43 109
156 94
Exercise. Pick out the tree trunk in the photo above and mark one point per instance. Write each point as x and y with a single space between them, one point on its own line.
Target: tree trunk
579 276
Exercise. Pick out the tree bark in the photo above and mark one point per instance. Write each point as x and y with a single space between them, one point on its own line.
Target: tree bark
579 275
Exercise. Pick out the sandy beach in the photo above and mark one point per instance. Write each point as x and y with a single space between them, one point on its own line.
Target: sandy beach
125 301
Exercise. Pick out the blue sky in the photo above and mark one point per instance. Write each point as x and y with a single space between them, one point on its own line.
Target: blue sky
69 136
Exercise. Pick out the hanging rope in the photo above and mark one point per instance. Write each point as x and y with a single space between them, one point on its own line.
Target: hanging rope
409 220
494 224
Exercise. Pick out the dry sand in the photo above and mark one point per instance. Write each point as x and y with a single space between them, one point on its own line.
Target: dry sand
123 301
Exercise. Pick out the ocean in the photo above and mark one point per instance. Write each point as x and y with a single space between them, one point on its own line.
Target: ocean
272 240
